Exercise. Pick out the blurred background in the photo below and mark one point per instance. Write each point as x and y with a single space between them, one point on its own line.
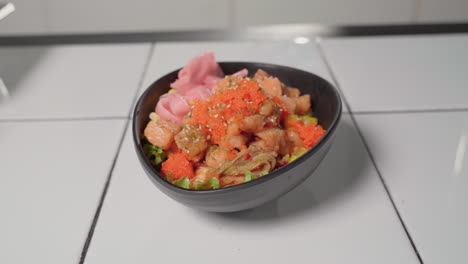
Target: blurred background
91 16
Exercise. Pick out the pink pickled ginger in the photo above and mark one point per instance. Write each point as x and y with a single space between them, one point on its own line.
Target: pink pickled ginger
200 70
196 81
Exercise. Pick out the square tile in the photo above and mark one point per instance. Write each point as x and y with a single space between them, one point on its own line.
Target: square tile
29 17
341 214
71 81
443 11
142 15
168 57
51 178
263 12
423 160
401 73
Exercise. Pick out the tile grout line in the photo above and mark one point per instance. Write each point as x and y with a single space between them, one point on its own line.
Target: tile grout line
366 146
143 77
60 119
102 198
97 213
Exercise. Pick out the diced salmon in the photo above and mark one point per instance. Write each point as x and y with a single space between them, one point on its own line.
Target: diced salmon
261 74
233 129
237 141
273 139
293 92
271 86
201 175
216 156
171 125
267 108
294 141
192 141
290 104
252 123
302 104
158 135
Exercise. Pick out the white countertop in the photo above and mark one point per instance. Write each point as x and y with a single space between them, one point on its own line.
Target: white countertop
393 188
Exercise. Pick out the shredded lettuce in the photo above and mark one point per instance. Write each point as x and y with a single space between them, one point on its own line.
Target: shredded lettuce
211 183
248 176
183 183
169 177
154 153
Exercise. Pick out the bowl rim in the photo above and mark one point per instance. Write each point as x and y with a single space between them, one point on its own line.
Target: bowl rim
276 173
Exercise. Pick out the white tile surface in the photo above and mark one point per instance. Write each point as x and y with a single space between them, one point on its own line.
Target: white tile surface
28 18
399 73
443 11
424 162
141 15
340 215
171 56
71 81
51 178
261 12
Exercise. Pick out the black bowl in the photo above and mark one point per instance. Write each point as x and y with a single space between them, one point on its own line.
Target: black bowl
326 105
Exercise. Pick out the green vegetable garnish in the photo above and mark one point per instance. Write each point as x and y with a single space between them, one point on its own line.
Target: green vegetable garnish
248 176
263 173
293 117
154 153
183 183
169 177
211 183
297 154
307 119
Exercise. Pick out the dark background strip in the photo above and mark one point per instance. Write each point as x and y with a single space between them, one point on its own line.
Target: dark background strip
265 33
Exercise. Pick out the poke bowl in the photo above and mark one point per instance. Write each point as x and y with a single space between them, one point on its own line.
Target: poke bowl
257 190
